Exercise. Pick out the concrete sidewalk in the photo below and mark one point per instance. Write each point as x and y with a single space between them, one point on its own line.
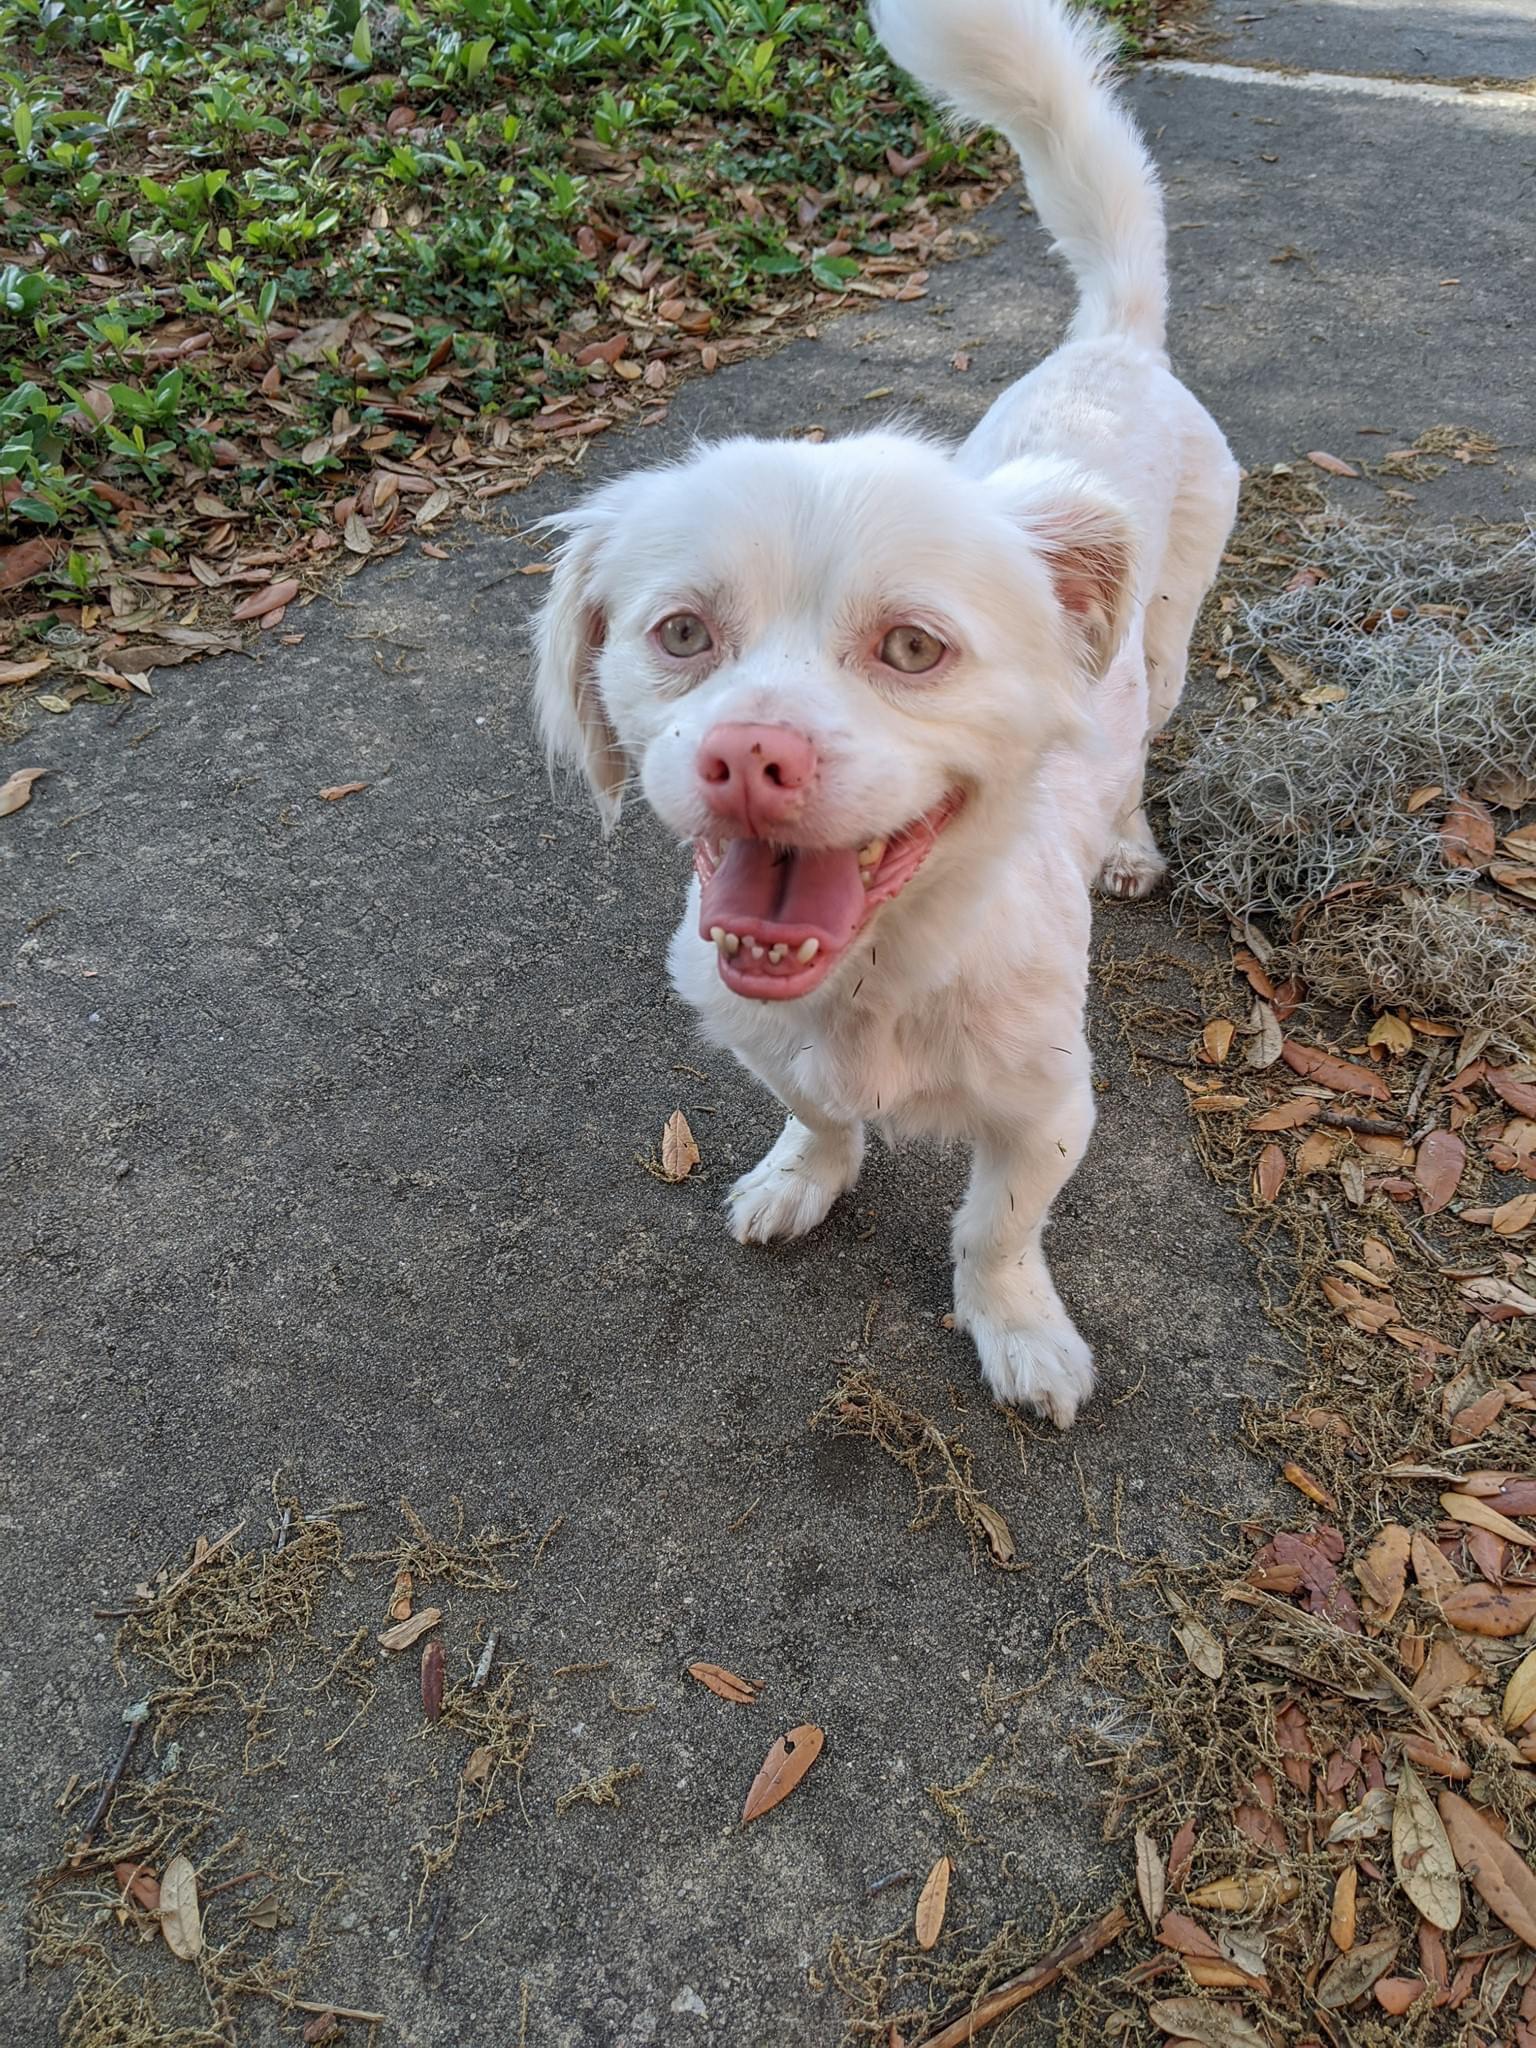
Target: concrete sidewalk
321 1136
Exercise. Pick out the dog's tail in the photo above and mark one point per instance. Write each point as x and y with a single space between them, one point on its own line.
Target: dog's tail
1038 70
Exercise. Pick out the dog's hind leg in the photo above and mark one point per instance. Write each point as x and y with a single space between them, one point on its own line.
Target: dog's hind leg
1198 529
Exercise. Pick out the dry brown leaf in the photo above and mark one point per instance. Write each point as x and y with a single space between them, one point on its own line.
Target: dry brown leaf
433 507
1513 1216
1353 1975
404 1633
1317 1152
1184 1936
268 599
1499 1875
1221 1975
479 1764
356 536
1244 1894
679 1151
181 1920
1269 1174
932 1901
1344 1075
338 790
1299 1477
725 1684
1443 1671
1467 834
1520 1692
1519 879
24 671
1499 1611
16 790
1202 1648
1439 1762
1151 1878
1341 1919
400 1600
1265 1037
1211 2023
432 1676
1332 465
1286 1116
1511 1088
27 559
1216 1104
1392 1032
1424 794
1421 1854
1396 1994
1467 1508
1216 1040
1489 1291
997 1532
1383 1574
138 1882
783 1768
1437 1576
1437 1169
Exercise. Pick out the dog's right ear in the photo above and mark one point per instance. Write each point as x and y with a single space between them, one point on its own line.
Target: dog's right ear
568 637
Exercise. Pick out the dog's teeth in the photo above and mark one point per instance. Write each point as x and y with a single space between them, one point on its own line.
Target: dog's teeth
776 953
870 856
729 943
807 950
754 949
717 937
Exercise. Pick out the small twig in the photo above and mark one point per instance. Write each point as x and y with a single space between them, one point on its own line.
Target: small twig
281 1542
883 1884
1432 1060
429 1941
109 1786
1367 1126
337 2012
483 1665
1078 1948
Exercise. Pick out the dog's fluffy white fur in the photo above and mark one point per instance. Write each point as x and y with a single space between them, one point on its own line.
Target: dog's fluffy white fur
1058 559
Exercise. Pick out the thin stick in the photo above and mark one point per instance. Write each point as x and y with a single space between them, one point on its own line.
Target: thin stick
429 1943
338 2012
120 1764
1077 1948
1367 1126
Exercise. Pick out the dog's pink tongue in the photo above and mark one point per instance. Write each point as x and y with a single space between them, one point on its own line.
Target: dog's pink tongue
803 890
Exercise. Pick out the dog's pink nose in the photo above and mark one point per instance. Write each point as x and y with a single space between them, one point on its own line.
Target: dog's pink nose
757 776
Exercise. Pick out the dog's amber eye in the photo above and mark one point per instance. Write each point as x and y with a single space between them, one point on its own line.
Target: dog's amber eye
684 634
911 651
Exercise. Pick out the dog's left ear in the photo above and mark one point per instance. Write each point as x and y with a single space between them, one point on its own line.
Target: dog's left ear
1088 544
568 635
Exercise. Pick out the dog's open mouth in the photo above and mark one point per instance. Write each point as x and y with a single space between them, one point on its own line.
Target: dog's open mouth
781 917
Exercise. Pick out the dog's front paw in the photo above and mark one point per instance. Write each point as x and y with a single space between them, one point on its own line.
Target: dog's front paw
1133 867
791 1190
1044 1366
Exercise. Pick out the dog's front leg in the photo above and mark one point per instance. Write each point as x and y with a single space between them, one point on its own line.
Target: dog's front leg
793 1186
1004 1295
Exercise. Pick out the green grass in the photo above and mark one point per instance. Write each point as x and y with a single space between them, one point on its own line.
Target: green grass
492 184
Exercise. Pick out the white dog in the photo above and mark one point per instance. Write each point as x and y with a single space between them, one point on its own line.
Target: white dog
898 697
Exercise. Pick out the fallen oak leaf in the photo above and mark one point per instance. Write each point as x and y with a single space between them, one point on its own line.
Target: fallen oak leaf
679 1149
1520 1694
1211 2024
1331 465
1244 1894
1510 1088
338 790
27 559
1151 1878
1353 1975
1437 1170
1216 1040
1286 1116
1186 1937
997 1532
1315 1065
1500 1876
1498 1611
1269 1174
138 1882
742 1692
1382 1574
1299 1477
1421 1854
1468 837
1490 1293
24 671
1513 1216
932 1902
783 1768
1476 1514
268 599
16 790
1341 1916
180 1915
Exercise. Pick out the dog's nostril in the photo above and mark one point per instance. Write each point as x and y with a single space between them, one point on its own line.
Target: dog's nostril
773 773
717 770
